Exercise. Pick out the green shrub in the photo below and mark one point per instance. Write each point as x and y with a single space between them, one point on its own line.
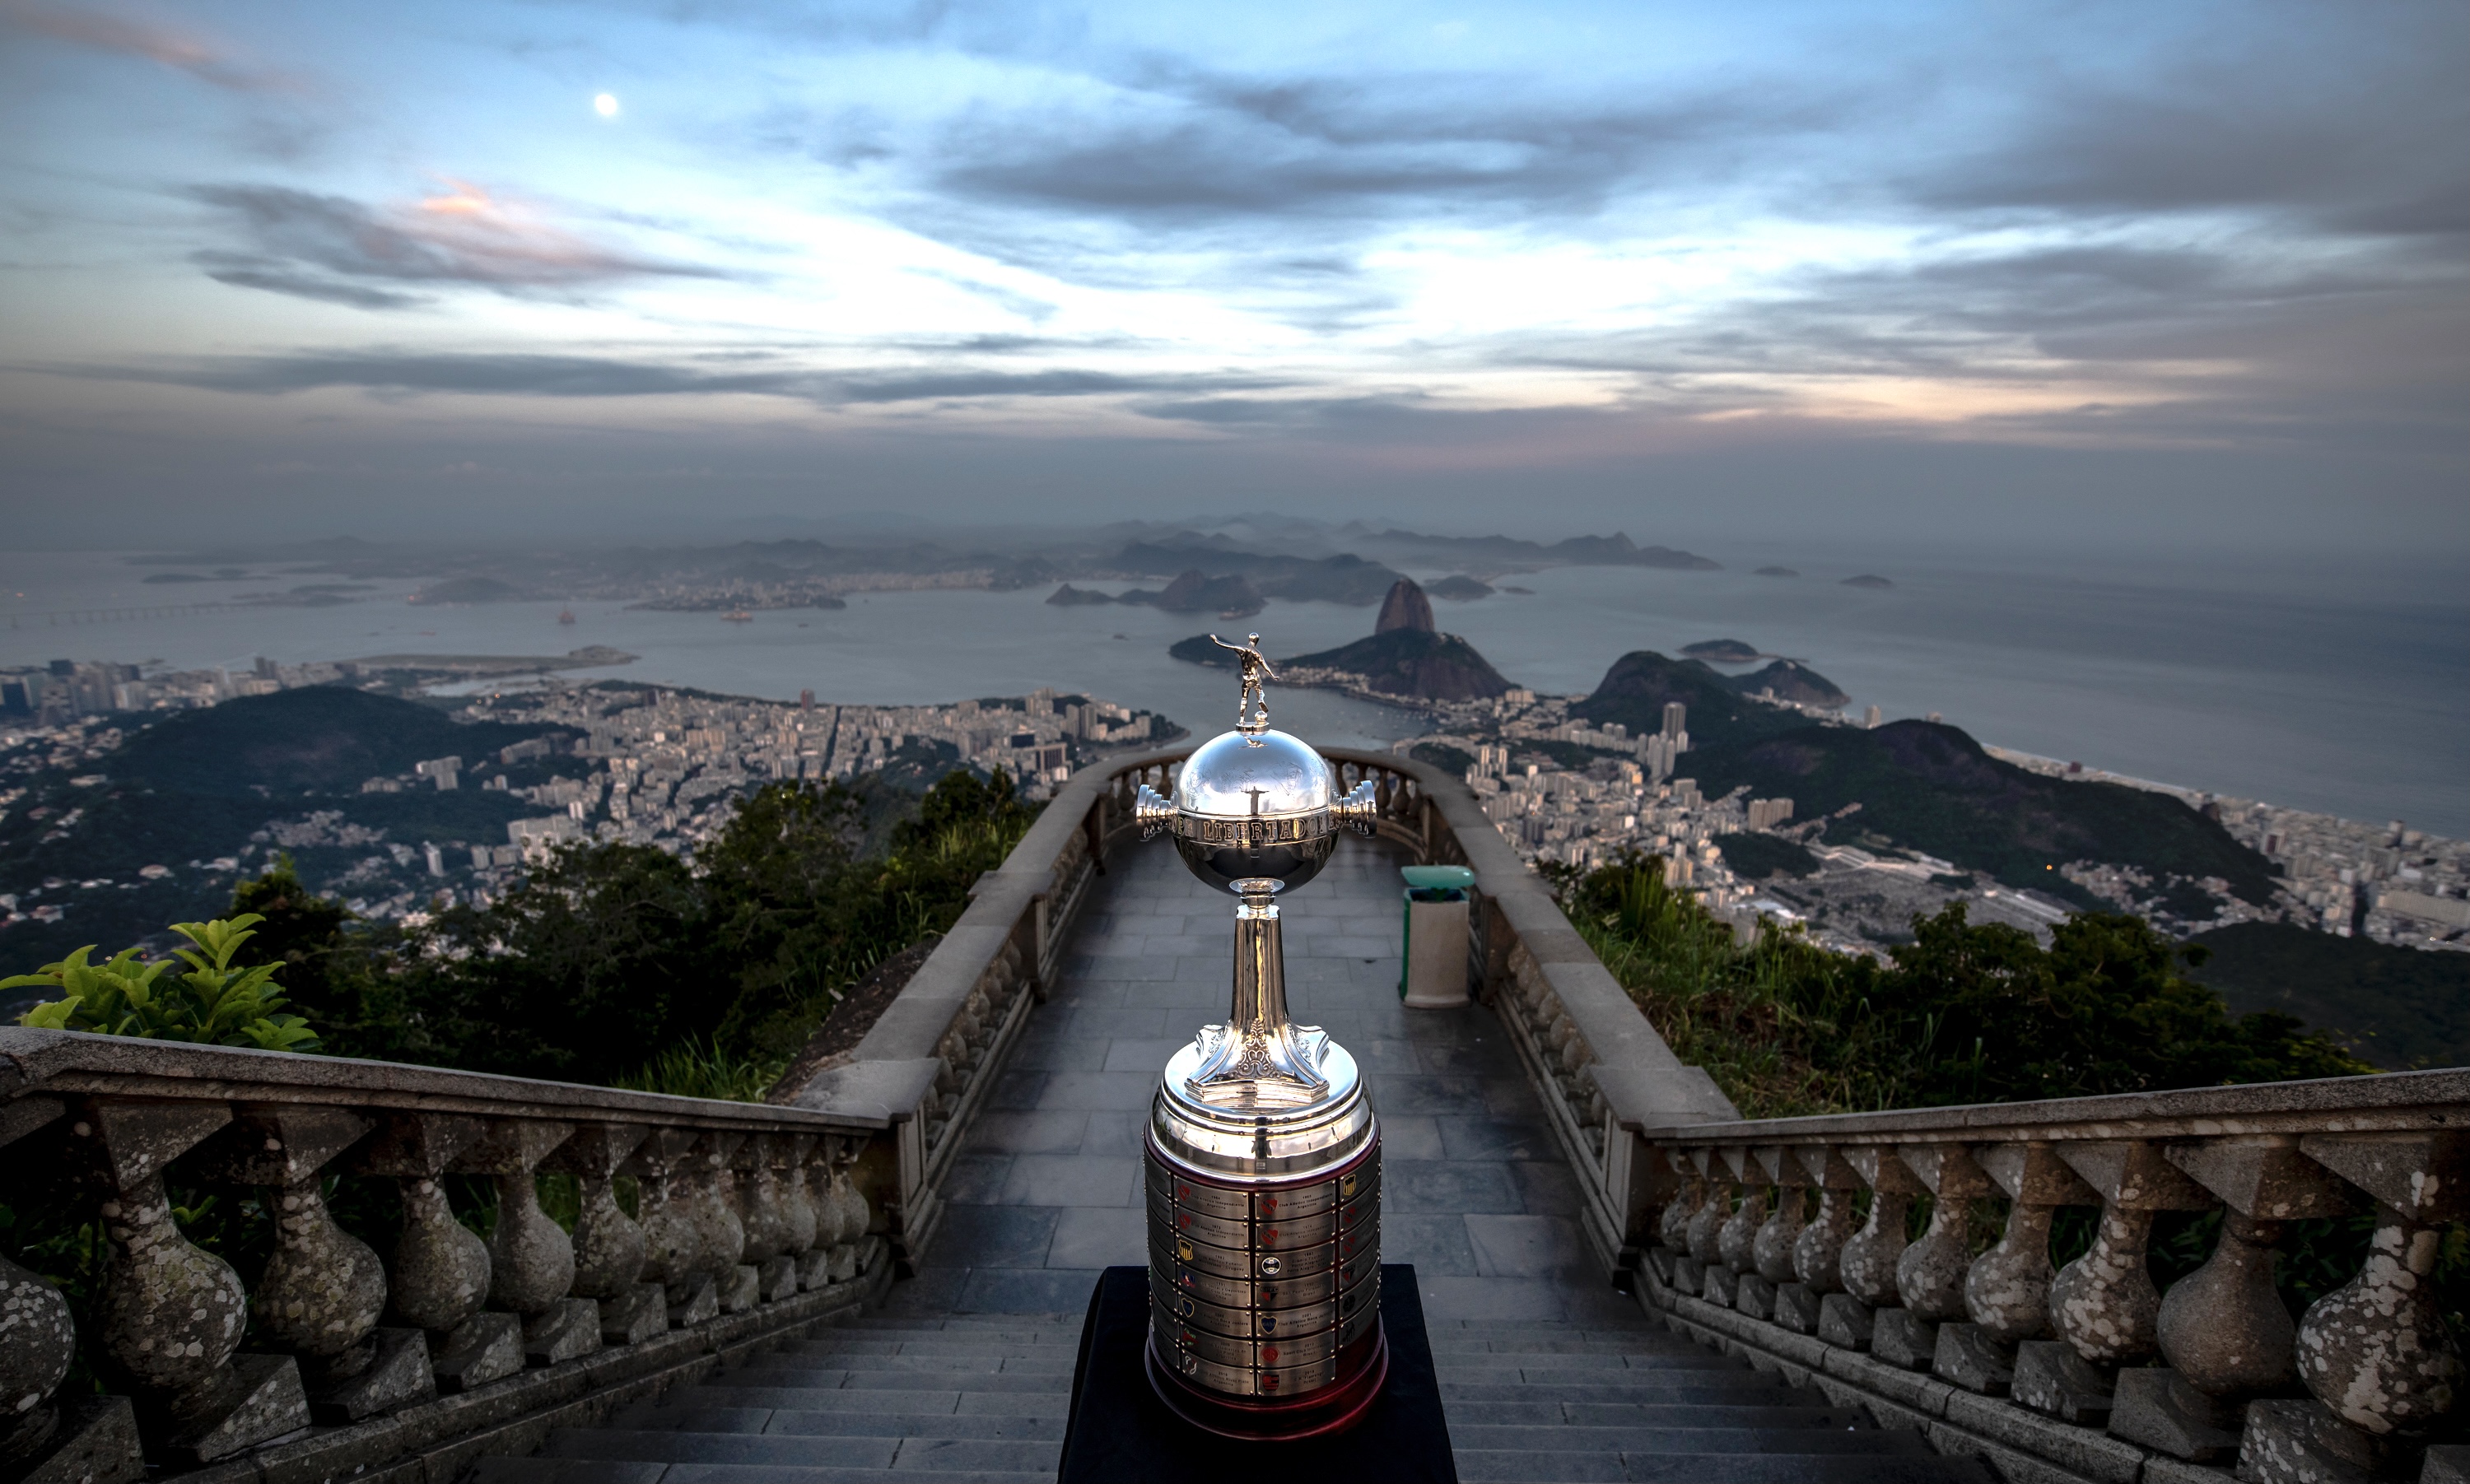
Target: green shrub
213 1003
1964 1013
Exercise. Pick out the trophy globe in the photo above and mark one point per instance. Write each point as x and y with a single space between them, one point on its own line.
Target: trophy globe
1262 1157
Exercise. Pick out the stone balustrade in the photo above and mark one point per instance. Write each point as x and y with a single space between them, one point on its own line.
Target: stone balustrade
2090 1370
348 1351
1601 1070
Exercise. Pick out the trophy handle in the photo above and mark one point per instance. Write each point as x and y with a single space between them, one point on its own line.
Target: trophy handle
1152 811
1360 809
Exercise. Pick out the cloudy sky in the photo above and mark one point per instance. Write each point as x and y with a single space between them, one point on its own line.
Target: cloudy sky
2132 270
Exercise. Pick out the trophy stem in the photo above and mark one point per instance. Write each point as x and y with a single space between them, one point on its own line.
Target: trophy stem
1260 1006
1260 1057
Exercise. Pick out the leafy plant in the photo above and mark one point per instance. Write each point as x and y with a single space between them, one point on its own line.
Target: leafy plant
213 1003
700 1069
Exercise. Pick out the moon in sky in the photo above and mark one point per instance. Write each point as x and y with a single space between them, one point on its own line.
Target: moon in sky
606 105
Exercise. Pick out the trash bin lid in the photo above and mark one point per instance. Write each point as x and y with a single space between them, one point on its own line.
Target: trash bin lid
1443 878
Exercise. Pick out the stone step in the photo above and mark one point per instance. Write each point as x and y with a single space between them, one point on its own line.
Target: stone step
1540 1410
890 1378
604 1471
977 1399
1569 1438
1733 1391
1020 1323
1002 1339
1617 1345
871 1421
787 1370
1500 1467
953 1454
1471 1362
893 1342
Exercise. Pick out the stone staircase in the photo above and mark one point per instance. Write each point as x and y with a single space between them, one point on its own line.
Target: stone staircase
982 1400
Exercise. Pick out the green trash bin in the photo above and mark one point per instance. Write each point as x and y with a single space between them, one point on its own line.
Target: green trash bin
1433 961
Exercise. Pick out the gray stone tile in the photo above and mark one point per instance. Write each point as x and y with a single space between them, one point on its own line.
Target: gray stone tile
1116 1134
1090 1090
1510 1097
1143 1055
1099 1237
1004 1235
1409 1135
1057 1052
1072 1180
1045 1131
1016 1090
1485 1137
1104 1023
1015 1290
977 1179
1545 1187
1128 960
1436 1245
1442 1187
1448 1298
1524 1246
1378 1056
1089 991
1187 997
1443 1095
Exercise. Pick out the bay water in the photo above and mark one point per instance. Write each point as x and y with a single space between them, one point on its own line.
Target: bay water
2349 696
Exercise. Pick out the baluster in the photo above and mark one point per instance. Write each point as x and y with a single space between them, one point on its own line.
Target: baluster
857 1251
715 1218
531 1259
1680 1270
765 1223
1929 1274
438 1276
813 1177
610 1247
673 1231
797 1203
1736 1237
2373 1352
1771 1245
2224 1327
1817 1254
91 1439
2007 1291
1868 1262
1706 1226
2103 1306
323 1290
171 1314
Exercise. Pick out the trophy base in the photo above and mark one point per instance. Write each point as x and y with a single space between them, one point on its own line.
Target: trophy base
1319 1414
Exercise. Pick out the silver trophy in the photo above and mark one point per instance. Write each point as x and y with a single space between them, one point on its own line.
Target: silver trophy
1263 1158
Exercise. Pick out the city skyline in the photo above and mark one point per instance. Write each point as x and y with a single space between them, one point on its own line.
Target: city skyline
2191 275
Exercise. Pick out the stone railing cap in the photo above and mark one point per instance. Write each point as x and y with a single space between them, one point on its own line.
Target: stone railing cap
74 1064
2322 1105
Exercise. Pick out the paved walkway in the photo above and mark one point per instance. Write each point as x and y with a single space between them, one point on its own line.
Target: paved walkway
1474 1191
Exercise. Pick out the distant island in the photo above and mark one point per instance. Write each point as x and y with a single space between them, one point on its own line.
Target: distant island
1191 592
1775 571
1867 580
1725 651
1405 658
1460 590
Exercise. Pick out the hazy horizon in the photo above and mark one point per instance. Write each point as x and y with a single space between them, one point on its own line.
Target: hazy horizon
2095 278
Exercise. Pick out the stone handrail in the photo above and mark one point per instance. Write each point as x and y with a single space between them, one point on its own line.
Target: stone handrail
748 1218
2102 1375
1603 1071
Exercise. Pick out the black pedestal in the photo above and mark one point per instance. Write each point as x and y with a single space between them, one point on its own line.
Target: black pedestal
1121 1434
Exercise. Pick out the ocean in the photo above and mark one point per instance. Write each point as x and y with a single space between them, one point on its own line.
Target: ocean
2347 695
